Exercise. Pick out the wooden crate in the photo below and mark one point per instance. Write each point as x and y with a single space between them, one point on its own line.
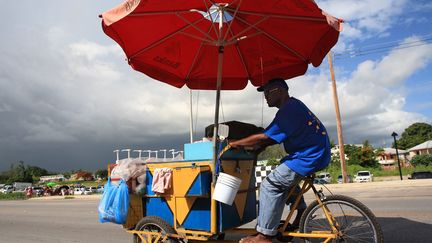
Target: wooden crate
135 212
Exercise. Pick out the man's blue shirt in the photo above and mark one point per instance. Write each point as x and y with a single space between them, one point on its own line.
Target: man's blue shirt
304 137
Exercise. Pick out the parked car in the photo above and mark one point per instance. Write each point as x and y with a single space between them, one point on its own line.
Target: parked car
79 190
324 176
100 189
363 176
38 191
339 179
6 189
320 181
421 175
89 190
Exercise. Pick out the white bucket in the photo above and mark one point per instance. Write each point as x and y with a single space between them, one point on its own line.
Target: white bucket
226 188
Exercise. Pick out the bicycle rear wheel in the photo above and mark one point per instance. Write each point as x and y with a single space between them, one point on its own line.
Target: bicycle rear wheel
355 222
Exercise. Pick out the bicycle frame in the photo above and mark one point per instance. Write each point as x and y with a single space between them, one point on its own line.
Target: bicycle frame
306 186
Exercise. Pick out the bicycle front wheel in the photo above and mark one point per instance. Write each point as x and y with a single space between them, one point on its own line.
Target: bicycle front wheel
353 220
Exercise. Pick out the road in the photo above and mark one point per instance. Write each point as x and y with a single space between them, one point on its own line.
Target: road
404 210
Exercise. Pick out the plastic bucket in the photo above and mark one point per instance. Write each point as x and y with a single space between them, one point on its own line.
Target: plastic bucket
226 188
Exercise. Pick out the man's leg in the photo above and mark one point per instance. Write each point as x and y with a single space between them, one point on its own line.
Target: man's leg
273 195
300 207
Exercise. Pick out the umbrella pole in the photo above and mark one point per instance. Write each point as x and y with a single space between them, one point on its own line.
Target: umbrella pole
215 138
213 221
216 118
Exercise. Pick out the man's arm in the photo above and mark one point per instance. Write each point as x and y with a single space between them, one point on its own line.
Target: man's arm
259 139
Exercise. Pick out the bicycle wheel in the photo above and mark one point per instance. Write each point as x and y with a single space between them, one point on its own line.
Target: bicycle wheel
356 223
156 225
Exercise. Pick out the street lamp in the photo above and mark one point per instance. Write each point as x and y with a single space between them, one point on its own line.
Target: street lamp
394 135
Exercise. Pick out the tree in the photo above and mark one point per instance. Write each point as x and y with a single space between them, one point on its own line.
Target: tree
422 159
19 173
102 174
36 172
368 156
275 152
415 134
353 153
335 160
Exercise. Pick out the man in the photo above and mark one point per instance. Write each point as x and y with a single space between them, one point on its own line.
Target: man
307 144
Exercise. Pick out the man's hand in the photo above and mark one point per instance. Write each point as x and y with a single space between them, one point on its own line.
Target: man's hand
234 144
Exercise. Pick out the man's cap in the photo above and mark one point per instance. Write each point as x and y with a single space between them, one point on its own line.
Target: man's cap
272 83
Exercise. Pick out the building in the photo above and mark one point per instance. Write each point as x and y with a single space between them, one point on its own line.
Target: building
335 151
58 177
388 158
423 148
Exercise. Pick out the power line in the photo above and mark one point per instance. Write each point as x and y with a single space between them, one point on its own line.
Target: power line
384 47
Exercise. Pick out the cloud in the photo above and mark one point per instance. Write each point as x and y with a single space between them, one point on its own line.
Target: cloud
389 71
372 98
75 93
366 16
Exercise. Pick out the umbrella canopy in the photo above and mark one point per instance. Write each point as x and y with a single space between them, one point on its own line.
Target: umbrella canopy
180 41
51 183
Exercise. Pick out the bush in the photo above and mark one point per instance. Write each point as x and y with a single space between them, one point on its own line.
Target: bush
423 159
13 196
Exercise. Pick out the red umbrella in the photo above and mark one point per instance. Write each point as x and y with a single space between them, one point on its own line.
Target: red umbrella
214 45
178 41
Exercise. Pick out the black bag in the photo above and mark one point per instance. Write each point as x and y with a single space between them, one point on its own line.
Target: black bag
237 130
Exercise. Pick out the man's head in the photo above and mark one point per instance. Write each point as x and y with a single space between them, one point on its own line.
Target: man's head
275 92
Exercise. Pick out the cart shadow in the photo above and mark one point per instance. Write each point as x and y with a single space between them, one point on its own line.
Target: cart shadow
396 230
405 230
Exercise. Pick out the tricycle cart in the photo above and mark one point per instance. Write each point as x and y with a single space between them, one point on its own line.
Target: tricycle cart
186 212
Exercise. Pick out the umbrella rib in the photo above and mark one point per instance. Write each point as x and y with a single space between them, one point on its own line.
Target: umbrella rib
305 18
195 58
139 14
243 61
211 17
274 39
234 16
208 39
160 41
247 29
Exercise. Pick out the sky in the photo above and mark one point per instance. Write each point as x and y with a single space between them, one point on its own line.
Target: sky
68 98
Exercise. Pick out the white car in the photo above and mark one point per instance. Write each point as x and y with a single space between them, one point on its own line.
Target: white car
88 191
7 189
325 176
79 190
363 176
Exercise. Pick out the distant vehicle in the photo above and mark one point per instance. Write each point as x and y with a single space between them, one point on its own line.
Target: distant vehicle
324 176
87 191
79 190
421 175
100 189
320 181
339 179
93 189
363 176
21 186
38 191
2 185
6 189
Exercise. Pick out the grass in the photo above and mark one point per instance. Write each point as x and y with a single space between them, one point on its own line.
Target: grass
13 196
84 183
377 172
69 197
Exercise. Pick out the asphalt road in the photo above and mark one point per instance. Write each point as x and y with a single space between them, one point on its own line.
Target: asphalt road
404 210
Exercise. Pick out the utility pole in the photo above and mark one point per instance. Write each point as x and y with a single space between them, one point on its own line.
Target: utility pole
394 135
338 120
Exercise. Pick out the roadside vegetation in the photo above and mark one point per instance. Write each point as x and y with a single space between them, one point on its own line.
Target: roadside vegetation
13 196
